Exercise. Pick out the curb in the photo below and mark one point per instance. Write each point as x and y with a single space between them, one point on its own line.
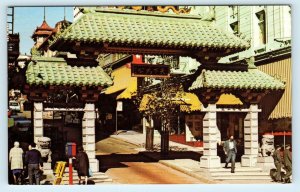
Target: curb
127 141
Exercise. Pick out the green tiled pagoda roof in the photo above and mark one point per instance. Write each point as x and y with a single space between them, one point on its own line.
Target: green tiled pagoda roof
55 71
143 28
251 79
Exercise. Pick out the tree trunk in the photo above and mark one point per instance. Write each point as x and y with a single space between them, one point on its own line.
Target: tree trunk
149 138
165 142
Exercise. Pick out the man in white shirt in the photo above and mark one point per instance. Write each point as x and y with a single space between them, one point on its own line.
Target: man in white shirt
230 151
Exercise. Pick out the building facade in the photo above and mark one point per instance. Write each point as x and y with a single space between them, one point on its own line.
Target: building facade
268 29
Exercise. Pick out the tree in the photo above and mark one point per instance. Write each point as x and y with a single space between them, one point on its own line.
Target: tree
160 104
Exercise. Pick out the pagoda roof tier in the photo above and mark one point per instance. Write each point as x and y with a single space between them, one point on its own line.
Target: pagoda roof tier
44 29
250 79
56 71
113 30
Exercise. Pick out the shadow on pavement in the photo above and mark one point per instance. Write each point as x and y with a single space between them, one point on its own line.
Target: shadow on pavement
116 160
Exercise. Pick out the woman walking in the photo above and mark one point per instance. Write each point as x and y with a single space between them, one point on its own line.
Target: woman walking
82 165
16 161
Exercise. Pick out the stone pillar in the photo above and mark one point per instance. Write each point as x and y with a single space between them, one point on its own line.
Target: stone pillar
88 135
37 121
148 132
147 124
210 158
249 159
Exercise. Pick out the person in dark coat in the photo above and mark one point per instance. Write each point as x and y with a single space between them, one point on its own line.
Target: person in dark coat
82 164
34 162
287 156
278 163
230 151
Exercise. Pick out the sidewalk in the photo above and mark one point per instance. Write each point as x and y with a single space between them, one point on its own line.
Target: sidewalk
242 175
139 139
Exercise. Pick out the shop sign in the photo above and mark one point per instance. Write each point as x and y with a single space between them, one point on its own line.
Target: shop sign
150 70
119 106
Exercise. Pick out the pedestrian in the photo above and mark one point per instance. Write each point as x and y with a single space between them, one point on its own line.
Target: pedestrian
33 159
278 164
16 161
230 151
82 165
287 164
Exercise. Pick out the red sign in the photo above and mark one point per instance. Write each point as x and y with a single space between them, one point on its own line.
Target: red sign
137 59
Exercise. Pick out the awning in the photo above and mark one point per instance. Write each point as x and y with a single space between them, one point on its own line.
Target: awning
282 69
122 80
287 133
130 90
189 101
192 101
229 99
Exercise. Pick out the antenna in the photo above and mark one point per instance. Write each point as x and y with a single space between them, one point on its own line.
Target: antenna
64 13
44 13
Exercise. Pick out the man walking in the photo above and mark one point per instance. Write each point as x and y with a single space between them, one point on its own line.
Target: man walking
33 159
230 151
16 161
287 163
278 163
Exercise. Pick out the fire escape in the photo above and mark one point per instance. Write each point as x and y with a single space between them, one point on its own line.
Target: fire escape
13 42
13 38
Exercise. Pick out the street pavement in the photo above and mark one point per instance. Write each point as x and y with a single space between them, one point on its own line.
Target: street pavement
123 160
191 167
149 173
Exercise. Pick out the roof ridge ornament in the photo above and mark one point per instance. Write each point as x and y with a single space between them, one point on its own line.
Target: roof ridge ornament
162 9
250 61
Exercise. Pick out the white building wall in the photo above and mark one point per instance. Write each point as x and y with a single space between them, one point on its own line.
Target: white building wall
222 17
278 26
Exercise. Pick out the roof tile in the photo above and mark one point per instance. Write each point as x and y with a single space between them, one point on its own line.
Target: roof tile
55 71
137 29
251 79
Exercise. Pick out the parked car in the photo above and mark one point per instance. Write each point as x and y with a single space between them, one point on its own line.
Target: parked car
14 106
21 123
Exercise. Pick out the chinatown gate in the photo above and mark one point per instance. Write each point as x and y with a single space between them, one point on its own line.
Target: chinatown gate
110 30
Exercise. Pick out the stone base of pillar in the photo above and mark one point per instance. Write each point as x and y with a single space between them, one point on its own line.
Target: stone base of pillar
210 162
47 166
94 165
156 133
249 160
266 163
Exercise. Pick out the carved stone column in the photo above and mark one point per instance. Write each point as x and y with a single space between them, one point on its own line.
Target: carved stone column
88 135
38 130
148 132
249 159
210 133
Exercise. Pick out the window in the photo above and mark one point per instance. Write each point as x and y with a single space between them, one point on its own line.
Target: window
235 27
261 16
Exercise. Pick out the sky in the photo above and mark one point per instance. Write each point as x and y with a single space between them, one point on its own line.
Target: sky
28 18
